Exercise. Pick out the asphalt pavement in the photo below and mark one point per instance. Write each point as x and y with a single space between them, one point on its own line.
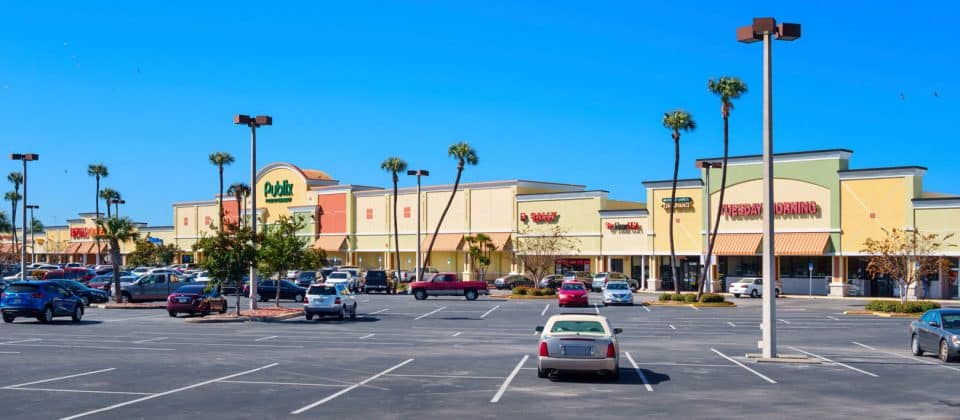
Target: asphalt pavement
452 358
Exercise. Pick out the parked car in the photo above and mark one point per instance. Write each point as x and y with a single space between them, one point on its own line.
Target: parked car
306 278
86 294
580 276
749 286
82 275
578 343
43 300
573 293
139 271
151 287
617 293
105 282
344 277
601 279
267 290
73 265
447 284
512 280
292 274
937 330
193 299
553 281
329 299
376 280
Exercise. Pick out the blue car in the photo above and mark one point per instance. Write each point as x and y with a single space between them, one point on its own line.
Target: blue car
43 300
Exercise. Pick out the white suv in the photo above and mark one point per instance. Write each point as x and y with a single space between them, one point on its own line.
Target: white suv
342 277
329 299
749 286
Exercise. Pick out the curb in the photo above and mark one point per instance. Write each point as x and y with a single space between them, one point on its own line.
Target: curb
114 306
527 297
691 305
216 320
881 314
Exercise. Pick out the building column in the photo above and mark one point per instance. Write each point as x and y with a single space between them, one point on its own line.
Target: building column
654 284
838 285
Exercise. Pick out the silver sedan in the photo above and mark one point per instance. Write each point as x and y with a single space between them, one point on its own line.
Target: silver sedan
578 343
617 293
938 330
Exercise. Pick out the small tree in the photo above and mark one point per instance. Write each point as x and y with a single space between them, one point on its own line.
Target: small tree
144 253
480 248
281 249
539 250
115 231
906 257
228 255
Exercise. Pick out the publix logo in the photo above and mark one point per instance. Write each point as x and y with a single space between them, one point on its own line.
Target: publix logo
278 192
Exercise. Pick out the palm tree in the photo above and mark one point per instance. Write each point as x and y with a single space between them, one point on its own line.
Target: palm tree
727 88
98 171
395 165
106 195
676 121
239 191
219 159
116 230
15 178
464 154
4 222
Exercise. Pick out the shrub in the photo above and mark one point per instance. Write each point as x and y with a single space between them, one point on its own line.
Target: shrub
549 292
666 297
711 298
520 291
690 298
536 292
905 308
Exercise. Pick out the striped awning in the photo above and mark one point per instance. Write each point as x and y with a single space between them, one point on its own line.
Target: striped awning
334 243
74 248
737 244
801 243
500 241
444 242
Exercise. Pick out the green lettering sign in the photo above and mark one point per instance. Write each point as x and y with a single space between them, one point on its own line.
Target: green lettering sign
278 192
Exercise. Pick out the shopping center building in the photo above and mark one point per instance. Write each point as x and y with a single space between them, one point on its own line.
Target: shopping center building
825 210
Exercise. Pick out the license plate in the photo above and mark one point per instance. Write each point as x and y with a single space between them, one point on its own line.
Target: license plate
183 300
16 301
576 350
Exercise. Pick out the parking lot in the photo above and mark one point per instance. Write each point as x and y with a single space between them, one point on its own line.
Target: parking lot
448 357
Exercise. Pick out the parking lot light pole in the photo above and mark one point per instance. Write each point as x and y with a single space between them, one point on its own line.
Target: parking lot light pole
117 202
764 29
253 123
707 272
25 157
419 173
33 240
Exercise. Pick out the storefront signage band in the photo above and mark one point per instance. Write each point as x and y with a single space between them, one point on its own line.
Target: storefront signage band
540 217
623 226
278 192
82 232
789 208
679 202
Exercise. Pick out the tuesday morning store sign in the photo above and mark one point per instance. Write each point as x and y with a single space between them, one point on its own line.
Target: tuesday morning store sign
790 208
278 192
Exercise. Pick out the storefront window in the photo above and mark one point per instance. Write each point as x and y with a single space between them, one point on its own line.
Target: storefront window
740 266
564 265
800 266
616 265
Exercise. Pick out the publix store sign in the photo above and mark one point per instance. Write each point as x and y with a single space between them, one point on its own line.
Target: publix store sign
278 192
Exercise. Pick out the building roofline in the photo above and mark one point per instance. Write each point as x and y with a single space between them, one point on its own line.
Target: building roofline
888 172
568 195
937 202
681 183
485 184
194 203
625 213
805 154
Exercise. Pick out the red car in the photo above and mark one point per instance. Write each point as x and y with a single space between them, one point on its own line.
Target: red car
573 293
193 300
82 275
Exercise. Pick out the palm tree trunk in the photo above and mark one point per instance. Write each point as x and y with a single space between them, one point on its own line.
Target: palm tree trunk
673 197
436 232
280 276
115 262
13 223
220 199
723 190
396 232
97 205
107 202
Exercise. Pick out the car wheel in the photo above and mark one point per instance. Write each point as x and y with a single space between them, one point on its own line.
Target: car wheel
172 314
614 374
754 294
915 346
205 312
127 297
353 313
77 313
85 300
471 294
298 298
309 316
736 295
342 314
8 318
542 373
47 315
419 294
944 351
223 309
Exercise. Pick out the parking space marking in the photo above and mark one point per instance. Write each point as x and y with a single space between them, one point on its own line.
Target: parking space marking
833 318
695 308
909 357
457 334
64 346
380 311
9 352
446 376
265 338
351 388
150 340
762 376
672 327
79 391
165 393
284 383
597 307
784 321
863 345
837 363
133 318
367 336
731 324
28 340
426 315
545 308
60 378
506 383
636 368
365 301
645 308
488 312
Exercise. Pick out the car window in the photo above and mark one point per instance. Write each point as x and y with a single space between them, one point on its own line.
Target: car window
21 288
582 327
573 286
617 286
322 290
190 289
49 288
951 321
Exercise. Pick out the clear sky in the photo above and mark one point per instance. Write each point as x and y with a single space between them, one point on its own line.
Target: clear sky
563 91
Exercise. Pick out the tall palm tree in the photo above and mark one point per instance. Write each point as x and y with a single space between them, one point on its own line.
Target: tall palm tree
464 154
15 178
676 121
219 159
98 171
116 230
727 88
239 191
107 194
395 165
4 222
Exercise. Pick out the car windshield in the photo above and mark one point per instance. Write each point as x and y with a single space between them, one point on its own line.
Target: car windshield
745 281
338 275
581 327
599 276
322 290
21 288
307 275
195 290
573 286
951 321
617 286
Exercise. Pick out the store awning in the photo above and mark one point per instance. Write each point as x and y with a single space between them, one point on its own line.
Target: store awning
330 243
444 242
74 248
500 241
737 244
801 243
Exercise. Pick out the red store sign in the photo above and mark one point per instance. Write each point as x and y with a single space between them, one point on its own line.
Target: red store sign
82 233
789 208
623 226
540 217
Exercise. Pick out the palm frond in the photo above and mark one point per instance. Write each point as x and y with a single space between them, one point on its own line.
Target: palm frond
462 151
97 170
679 120
394 165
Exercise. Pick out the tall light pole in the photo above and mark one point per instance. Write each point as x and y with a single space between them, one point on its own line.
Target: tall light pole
253 123
117 202
33 241
25 157
708 251
419 173
764 29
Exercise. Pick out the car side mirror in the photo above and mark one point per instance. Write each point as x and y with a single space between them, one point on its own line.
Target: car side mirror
539 329
617 331
934 324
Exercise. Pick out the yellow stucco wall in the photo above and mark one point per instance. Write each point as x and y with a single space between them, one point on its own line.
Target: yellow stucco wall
376 206
943 222
492 210
788 190
687 232
622 241
185 222
406 224
273 176
373 243
869 205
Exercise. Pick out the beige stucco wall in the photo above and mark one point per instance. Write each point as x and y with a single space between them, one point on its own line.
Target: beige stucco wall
625 242
456 219
377 224
786 190
687 231
492 210
943 222
870 205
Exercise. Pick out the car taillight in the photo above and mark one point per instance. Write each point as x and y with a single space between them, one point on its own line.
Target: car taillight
611 351
37 295
3 295
336 302
543 349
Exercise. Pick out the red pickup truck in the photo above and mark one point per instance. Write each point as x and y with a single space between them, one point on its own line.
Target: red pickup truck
447 284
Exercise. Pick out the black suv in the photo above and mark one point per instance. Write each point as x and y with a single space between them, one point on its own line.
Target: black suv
376 280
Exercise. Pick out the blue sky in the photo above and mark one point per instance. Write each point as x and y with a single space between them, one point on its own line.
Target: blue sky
563 91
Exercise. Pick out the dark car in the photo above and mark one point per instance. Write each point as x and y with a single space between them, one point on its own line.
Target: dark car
41 299
582 276
82 275
553 281
267 290
194 299
513 280
938 330
377 281
306 278
86 294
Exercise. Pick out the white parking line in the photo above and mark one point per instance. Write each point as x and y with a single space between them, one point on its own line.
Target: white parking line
833 318
672 327
762 376
133 318
365 301
380 311
457 334
506 383
907 357
60 378
645 308
864 346
9 352
731 324
597 307
545 308
784 321
350 388
426 315
695 308
367 336
150 340
265 338
837 363
284 383
643 377
162 394
488 312
80 391
21 341
446 376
